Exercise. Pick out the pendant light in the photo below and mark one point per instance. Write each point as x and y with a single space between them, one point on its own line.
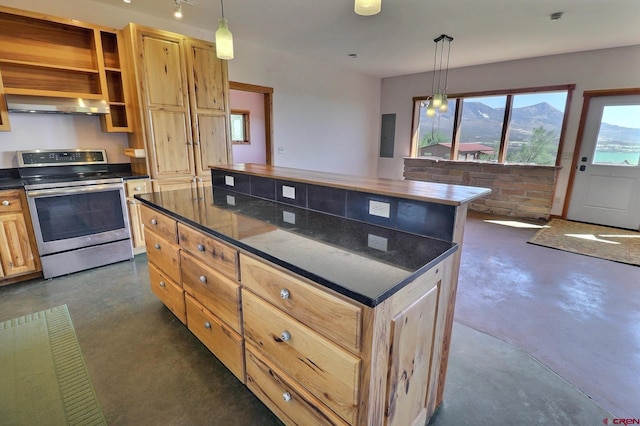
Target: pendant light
438 101
224 38
177 11
367 7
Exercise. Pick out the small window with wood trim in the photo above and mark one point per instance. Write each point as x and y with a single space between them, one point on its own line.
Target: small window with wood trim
240 127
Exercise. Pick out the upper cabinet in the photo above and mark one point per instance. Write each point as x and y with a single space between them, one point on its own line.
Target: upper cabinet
48 56
181 91
4 114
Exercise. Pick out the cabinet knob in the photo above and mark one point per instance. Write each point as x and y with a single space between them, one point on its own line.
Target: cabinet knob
285 336
157 246
203 278
137 188
222 256
154 222
162 284
200 247
286 396
284 293
132 202
207 325
5 203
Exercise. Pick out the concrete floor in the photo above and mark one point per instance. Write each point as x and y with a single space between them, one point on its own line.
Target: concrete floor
577 315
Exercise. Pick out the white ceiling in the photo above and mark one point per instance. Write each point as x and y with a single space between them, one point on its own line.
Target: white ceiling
399 40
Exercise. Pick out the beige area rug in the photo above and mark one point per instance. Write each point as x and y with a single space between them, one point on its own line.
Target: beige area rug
43 377
603 242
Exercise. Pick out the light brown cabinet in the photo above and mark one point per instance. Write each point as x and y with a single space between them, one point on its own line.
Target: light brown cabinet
18 252
181 91
196 277
4 114
133 187
50 56
312 355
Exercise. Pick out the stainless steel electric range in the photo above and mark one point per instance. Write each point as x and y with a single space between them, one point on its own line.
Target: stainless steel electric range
77 208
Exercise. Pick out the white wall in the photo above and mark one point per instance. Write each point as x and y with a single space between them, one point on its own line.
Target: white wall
593 70
325 117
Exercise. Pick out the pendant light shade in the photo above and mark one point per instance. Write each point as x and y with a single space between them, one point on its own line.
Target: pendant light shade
439 102
368 7
224 40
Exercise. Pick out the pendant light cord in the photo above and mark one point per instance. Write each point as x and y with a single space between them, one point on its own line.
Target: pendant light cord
222 7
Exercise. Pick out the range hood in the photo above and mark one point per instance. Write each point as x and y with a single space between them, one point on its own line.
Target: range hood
53 105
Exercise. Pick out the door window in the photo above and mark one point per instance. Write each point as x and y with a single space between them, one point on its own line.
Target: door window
618 141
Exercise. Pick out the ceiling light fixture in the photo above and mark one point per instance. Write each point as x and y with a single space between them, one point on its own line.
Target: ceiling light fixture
367 7
438 101
127 1
177 11
224 38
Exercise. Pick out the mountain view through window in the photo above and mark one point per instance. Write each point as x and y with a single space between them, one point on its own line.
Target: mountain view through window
533 135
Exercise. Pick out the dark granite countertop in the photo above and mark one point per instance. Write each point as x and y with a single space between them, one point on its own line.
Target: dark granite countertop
364 262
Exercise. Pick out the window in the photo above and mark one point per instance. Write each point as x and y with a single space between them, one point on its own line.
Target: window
240 127
522 126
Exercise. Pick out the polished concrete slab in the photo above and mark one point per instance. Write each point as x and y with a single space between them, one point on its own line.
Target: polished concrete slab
147 368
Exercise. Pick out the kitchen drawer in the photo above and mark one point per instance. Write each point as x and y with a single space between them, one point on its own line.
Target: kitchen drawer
159 223
324 312
137 186
226 344
329 372
214 253
278 392
168 292
164 254
10 201
214 291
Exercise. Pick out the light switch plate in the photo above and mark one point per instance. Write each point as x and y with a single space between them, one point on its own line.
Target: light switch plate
289 192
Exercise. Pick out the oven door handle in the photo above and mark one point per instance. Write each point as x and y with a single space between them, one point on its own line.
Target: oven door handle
74 190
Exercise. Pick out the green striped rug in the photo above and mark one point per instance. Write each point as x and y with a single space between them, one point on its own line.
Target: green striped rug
43 377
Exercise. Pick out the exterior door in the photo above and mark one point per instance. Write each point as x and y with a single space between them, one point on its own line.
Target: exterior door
606 185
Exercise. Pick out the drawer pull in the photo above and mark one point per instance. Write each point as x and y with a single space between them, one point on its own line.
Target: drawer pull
162 284
203 278
284 293
137 188
154 222
157 246
222 256
285 336
207 325
286 396
5 203
200 247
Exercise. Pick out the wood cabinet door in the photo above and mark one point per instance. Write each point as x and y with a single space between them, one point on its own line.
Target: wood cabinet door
210 142
16 253
207 76
164 73
171 149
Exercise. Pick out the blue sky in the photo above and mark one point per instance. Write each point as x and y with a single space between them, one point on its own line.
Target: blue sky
622 115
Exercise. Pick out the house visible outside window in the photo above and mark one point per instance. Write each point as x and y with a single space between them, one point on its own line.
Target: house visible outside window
523 126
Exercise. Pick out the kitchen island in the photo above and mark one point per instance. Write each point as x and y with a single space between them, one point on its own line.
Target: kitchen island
326 299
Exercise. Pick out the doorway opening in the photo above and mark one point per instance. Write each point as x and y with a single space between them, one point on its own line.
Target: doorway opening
255 105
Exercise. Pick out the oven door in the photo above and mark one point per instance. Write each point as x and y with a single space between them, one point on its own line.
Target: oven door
76 217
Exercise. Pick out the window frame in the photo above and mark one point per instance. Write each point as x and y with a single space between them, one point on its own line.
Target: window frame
509 93
244 116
